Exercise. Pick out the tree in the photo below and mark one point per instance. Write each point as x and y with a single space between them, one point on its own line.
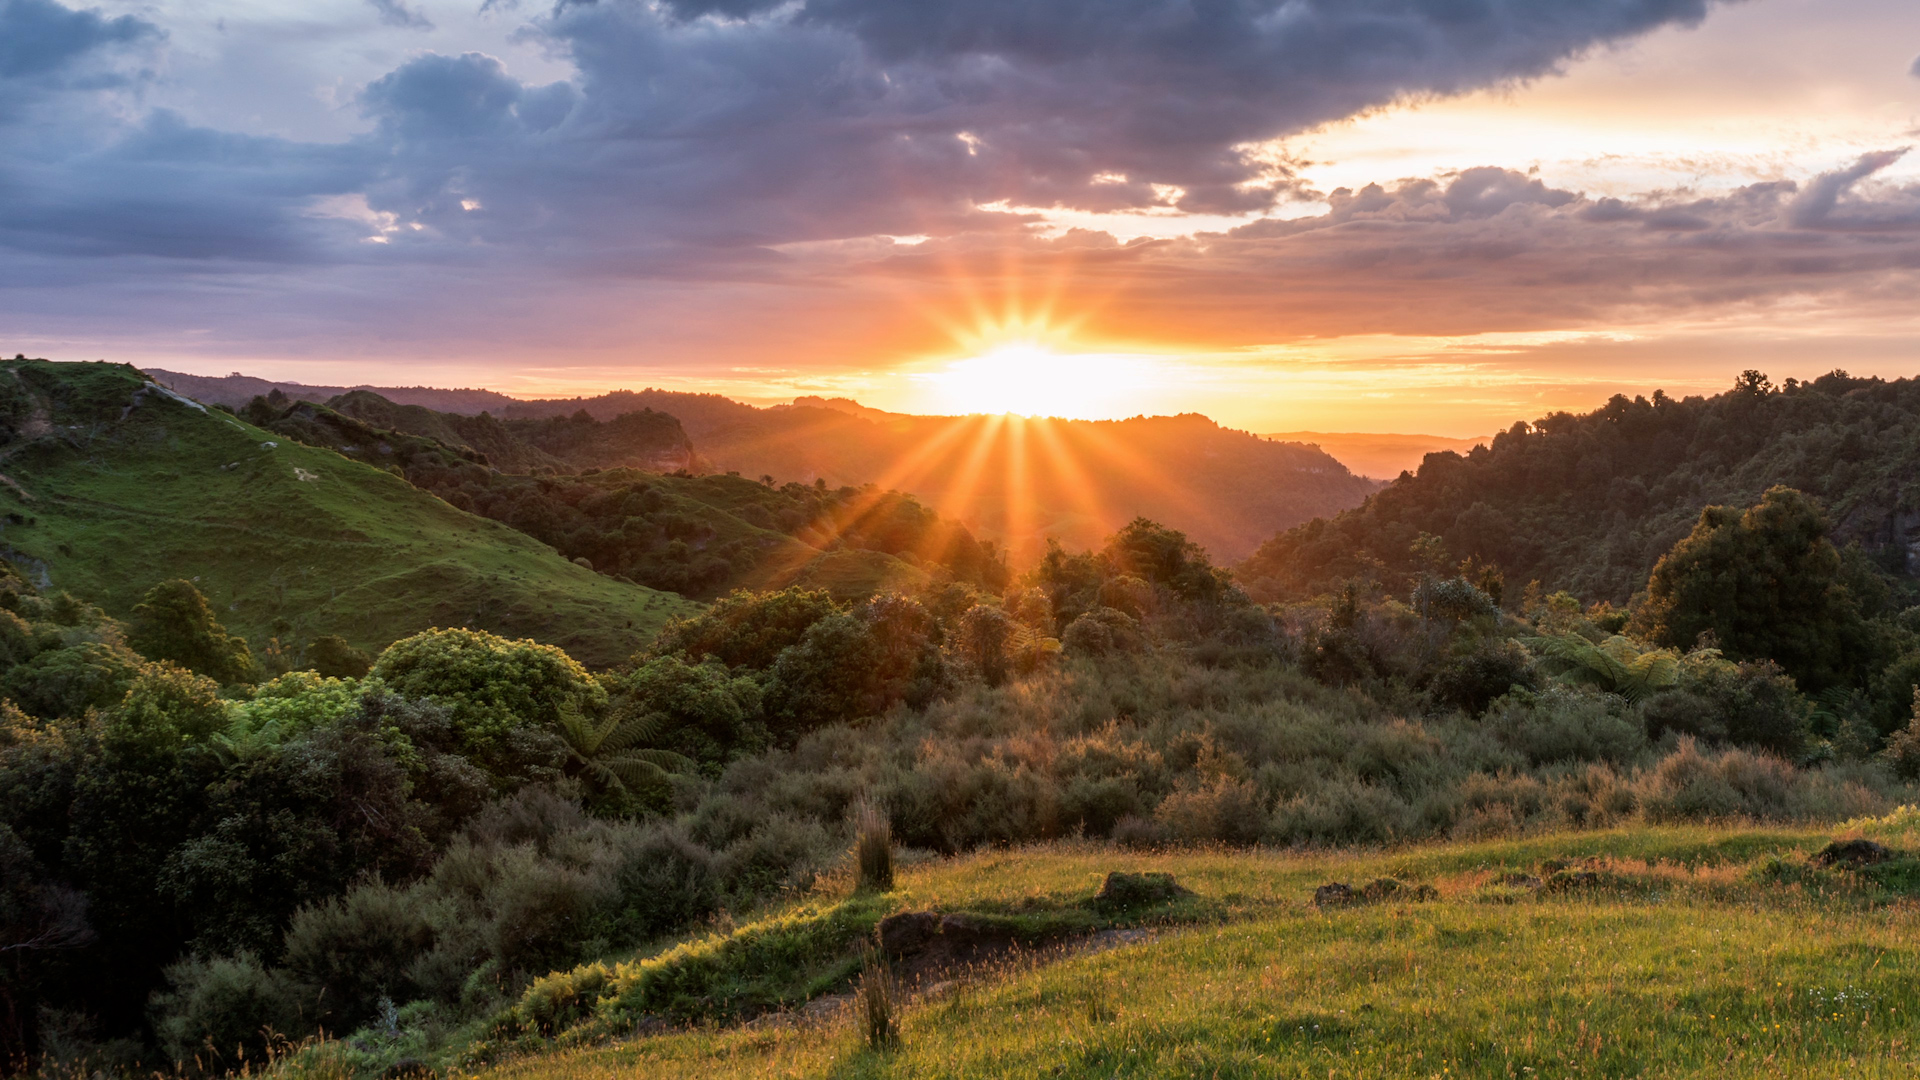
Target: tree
746 629
1768 584
490 685
174 623
608 754
334 658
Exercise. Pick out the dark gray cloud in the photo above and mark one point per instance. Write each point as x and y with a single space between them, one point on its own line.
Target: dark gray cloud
40 39
703 132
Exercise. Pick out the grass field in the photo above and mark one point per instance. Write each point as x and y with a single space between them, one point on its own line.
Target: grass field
110 489
1699 952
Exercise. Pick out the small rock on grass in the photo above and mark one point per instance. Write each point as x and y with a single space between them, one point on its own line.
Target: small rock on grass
1852 854
1123 892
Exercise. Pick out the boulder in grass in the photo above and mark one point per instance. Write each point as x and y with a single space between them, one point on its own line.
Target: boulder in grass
1852 854
1333 894
1125 892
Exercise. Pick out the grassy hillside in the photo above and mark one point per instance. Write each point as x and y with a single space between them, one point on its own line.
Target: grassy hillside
1671 952
113 484
694 535
1589 503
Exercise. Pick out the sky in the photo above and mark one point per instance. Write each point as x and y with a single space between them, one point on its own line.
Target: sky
1339 215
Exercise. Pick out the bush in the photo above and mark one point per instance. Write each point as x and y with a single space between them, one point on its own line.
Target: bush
1100 632
225 1011
746 629
489 685
1563 725
174 623
333 658
350 952
1471 681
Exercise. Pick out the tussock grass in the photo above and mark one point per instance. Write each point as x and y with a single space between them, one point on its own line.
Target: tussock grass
873 848
1690 952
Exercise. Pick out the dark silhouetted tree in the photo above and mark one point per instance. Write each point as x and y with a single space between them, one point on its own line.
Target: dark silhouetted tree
174 623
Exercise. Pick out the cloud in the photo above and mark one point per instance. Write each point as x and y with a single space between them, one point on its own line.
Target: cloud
397 13
41 39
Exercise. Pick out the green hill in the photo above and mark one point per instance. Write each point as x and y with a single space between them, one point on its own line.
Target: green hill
1589 503
112 483
1674 952
698 536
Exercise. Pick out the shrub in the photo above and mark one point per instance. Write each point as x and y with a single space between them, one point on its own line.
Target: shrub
351 951
746 629
873 848
1471 681
1101 631
224 1011
173 623
66 682
333 658
489 685
1566 725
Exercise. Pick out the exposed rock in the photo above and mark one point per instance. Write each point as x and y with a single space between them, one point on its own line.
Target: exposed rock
1333 894
1338 894
1123 892
1852 854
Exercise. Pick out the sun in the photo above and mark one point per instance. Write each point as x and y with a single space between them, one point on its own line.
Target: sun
1030 379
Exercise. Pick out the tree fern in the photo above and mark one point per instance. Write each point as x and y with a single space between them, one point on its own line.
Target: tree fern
1616 665
609 752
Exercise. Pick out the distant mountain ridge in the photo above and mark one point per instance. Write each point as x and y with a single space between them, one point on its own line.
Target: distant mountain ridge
1380 456
236 390
1017 481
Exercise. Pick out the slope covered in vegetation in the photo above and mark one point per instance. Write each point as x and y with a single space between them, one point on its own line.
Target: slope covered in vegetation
1020 481
114 484
1589 503
1677 952
696 535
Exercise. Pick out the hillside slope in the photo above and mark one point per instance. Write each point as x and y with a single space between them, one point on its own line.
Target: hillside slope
1666 952
698 536
236 390
1018 480
112 484
1589 503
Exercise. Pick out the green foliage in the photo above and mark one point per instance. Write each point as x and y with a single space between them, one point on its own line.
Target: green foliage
334 658
746 629
1589 503
706 712
218 1014
295 702
1766 584
69 681
490 685
1165 557
1616 665
174 623
608 753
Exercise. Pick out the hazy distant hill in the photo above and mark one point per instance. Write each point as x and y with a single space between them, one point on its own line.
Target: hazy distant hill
1590 502
596 493
236 390
1015 481
1382 457
1020 481
112 484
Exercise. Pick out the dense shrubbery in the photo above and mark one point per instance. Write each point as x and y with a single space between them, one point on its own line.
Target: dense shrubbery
406 847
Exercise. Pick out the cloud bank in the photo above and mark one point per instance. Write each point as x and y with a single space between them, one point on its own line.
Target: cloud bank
750 144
